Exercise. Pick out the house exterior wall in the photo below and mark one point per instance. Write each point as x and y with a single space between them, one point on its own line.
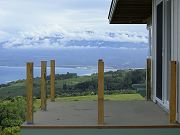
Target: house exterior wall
170 49
175 45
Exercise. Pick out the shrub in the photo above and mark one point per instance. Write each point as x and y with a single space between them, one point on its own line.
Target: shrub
11 131
12 112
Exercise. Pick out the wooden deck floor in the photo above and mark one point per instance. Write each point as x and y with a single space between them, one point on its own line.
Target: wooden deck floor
84 113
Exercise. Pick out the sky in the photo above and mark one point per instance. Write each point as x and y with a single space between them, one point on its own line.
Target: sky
40 18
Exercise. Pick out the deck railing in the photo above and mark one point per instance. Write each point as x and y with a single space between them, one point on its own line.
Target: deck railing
100 121
29 86
100 92
148 79
173 100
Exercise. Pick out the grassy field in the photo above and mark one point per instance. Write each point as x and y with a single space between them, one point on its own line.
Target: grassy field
119 97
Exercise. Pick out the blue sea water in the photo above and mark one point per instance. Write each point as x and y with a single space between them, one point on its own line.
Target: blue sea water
8 74
80 61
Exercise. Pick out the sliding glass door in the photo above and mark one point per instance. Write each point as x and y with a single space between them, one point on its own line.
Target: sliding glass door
163 50
159 48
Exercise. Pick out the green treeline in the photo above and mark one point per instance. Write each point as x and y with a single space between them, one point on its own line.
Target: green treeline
120 81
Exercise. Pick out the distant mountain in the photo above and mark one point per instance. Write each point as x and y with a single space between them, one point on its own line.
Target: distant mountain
106 44
77 39
82 48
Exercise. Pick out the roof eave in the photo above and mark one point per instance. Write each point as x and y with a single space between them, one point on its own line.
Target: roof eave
129 17
112 9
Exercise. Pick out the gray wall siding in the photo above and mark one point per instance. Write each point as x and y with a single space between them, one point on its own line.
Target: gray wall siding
174 42
175 45
179 61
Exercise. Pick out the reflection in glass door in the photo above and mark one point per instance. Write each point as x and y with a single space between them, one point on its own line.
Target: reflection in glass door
159 45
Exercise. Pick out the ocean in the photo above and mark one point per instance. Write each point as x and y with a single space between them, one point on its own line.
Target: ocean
9 74
80 61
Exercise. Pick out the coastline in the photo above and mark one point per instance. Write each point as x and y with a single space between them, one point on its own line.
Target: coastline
12 73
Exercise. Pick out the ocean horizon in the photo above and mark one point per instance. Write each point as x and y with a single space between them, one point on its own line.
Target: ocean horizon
14 73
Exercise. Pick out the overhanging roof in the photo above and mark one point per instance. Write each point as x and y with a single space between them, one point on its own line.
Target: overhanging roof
130 11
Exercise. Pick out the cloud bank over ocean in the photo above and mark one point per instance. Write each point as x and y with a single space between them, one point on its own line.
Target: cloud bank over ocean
58 37
47 24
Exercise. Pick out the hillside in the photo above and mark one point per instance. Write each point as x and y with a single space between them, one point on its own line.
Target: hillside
121 81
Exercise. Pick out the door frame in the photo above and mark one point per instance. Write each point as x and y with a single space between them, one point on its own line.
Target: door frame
165 54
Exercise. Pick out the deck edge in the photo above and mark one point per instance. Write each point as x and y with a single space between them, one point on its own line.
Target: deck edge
99 126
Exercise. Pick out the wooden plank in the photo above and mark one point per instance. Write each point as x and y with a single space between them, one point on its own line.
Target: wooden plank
52 80
148 80
43 85
172 101
101 131
100 92
29 91
99 126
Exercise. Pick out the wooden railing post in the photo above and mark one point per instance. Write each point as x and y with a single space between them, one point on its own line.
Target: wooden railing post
29 91
43 85
52 91
148 79
100 92
172 101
